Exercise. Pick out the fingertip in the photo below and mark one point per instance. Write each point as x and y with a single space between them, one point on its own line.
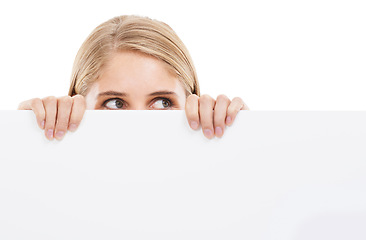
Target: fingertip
219 132
42 124
59 135
208 133
228 120
73 127
194 125
49 134
192 112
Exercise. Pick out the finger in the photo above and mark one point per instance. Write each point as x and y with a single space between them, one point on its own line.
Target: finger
233 109
77 112
25 105
37 107
192 104
221 106
245 107
50 106
206 106
64 105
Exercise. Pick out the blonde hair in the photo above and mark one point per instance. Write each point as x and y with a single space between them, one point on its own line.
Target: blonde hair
135 33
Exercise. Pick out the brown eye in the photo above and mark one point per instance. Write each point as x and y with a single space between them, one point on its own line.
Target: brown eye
165 103
162 104
115 103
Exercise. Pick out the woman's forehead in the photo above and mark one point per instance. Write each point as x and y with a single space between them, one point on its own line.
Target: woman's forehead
131 60
136 68
135 73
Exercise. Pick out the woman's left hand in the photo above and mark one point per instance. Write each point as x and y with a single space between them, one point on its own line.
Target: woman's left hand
212 115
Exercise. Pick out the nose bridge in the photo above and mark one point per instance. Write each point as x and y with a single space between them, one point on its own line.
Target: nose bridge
139 108
138 105
138 100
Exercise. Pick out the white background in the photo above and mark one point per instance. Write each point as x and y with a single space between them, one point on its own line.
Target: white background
276 55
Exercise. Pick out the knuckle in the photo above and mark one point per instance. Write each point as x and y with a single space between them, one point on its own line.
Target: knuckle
34 102
192 98
50 99
78 96
233 109
79 100
238 100
206 98
66 100
222 97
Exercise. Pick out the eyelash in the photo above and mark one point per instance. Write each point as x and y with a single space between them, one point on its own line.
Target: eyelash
171 102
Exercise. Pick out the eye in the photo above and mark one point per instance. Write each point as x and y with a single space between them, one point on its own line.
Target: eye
162 104
114 103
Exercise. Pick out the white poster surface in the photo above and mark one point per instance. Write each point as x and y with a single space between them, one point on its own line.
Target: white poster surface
147 175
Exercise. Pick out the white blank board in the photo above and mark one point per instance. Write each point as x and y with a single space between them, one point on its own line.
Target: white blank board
147 175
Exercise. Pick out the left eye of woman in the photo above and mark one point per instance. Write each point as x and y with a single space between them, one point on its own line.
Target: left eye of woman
114 103
162 104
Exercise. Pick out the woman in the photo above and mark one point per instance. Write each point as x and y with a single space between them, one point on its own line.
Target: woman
132 62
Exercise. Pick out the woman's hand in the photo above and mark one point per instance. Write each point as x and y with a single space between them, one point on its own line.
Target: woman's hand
56 115
212 115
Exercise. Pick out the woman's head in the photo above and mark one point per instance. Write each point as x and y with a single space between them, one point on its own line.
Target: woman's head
136 81
126 34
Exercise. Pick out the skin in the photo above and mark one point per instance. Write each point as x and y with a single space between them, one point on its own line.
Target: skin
134 81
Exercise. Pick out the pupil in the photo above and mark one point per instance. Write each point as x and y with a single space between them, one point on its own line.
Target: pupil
119 104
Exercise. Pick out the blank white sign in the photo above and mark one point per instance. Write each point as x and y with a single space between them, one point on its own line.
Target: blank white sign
147 175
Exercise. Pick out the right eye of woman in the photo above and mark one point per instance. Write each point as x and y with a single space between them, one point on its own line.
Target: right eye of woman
114 103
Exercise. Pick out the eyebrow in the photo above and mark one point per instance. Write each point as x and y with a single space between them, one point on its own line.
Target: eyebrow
163 93
122 94
112 93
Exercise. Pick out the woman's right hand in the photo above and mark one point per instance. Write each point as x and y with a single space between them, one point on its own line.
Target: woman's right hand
56 115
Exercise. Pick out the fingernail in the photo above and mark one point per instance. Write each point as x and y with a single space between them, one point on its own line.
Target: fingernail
73 127
194 125
50 134
218 131
228 120
208 133
59 135
42 124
